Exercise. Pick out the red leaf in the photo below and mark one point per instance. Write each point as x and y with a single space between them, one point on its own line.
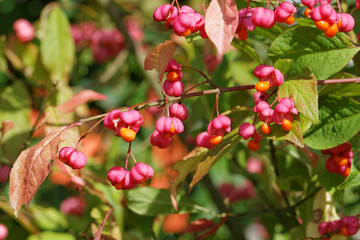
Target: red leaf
221 20
80 98
32 167
160 57
98 233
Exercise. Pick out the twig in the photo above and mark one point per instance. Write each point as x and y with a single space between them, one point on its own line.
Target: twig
41 111
161 102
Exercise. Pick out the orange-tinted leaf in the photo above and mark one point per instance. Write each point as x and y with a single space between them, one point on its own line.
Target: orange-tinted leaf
6 126
98 233
80 98
160 57
78 181
221 20
32 167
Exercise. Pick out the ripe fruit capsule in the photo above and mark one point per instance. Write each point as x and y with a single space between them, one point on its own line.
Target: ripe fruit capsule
290 20
215 140
265 129
331 31
127 134
262 86
243 34
340 160
187 33
286 125
253 146
345 232
322 25
171 76
347 171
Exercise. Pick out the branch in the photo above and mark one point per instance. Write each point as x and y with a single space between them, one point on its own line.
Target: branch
161 102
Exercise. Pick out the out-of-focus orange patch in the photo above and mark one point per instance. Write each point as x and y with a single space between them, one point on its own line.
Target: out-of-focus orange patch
149 120
59 178
169 156
92 144
40 132
175 223
160 181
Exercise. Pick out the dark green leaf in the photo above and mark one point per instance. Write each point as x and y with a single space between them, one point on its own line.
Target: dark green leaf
309 47
339 122
152 201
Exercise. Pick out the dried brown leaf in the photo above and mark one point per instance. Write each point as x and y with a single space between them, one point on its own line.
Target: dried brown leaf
221 20
32 167
159 57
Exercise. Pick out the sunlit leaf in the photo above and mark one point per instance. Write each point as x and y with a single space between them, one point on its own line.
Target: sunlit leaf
159 57
304 94
339 122
32 167
152 201
221 20
57 47
80 98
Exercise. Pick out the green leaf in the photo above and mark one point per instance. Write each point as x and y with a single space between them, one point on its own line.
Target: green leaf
309 47
49 218
213 155
247 49
339 122
284 65
304 94
294 136
15 107
57 46
52 236
327 179
187 165
152 201
341 89
293 173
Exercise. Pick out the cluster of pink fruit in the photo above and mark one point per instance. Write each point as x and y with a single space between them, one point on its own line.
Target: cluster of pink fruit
327 19
281 115
244 192
123 179
167 127
72 157
345 226
73 206
340 159
3 232
104 43
182 20
125 124
173 86
24 31
215 132
249 18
